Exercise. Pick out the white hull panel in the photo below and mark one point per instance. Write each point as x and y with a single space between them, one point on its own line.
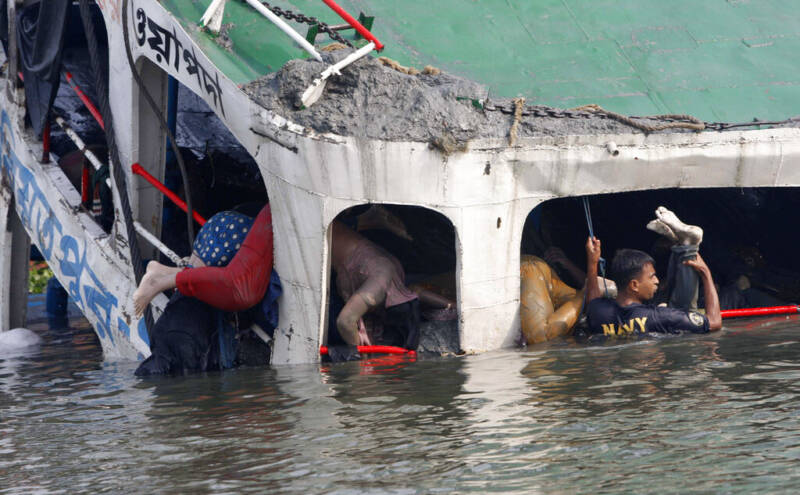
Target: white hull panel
80 254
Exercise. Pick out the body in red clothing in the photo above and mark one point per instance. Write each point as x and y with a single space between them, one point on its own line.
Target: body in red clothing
243 282
233 286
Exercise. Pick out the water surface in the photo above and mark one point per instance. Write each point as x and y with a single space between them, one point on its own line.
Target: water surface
715 413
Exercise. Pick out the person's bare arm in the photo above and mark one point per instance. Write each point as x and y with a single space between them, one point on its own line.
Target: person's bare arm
592 259
709 292
432 299
349 322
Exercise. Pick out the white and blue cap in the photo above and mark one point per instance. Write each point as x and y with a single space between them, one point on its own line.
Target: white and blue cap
221 237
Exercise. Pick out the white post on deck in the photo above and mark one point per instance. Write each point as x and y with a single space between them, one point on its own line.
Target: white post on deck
15 247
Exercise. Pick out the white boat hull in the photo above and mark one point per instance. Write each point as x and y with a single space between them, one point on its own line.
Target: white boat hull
486 192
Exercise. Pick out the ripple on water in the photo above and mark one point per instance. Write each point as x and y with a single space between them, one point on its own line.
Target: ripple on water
784 375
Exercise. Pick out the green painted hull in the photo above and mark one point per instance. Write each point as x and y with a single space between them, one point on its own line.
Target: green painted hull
719 60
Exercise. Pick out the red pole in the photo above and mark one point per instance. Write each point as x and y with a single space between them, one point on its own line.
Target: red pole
46 142
375 349
86 101
138 170
774 310
353 22
85 185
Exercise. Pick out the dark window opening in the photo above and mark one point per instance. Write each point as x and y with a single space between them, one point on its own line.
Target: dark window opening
749 242
423 242
90 182
222 174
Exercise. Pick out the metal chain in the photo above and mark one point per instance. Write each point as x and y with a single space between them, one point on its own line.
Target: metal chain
721 126
311 21
558 113
538 111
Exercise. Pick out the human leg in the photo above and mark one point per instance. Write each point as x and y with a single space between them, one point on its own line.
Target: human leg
437 291
564 317
684 283
559 291
242 283
536 304
181 338
370 295
548 307
567 303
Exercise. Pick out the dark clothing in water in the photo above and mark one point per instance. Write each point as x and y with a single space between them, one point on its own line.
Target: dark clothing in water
184 339
194 336
607 318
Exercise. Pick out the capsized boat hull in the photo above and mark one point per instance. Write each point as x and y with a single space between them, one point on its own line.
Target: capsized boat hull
486 191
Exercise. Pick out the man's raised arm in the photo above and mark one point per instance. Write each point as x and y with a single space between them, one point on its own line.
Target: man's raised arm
709 292
592 259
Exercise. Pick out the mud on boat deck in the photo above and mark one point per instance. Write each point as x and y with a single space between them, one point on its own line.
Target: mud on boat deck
370 99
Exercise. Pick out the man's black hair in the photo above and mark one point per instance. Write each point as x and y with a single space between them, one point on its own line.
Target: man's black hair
627 265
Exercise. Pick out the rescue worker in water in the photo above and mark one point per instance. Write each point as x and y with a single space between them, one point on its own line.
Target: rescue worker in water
635 275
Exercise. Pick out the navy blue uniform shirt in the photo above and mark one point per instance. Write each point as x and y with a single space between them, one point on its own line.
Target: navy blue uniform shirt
606 317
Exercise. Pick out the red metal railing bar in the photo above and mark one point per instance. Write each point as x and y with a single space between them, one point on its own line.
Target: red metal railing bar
85 99
353 22
375 349
139 170
769 311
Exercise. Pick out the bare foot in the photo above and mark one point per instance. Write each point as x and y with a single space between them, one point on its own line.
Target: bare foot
687 234
157 278
660 227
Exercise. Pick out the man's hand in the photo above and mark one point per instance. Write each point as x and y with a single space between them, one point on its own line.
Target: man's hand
593 250
592 258
363 337
698 264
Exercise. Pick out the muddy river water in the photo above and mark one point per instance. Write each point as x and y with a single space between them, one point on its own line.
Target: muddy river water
708 414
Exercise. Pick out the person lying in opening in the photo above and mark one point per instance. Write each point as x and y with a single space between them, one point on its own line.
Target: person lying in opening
635 275
239 252
371 280
549 308
191 335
